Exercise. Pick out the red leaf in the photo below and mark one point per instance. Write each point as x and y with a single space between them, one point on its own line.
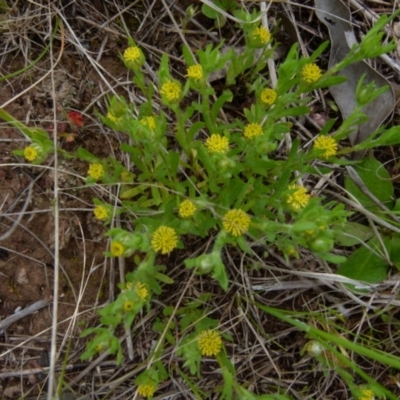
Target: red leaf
76 118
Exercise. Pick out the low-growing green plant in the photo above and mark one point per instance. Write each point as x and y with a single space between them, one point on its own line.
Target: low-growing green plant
198 173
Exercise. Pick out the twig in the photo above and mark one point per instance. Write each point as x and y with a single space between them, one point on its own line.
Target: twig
23 313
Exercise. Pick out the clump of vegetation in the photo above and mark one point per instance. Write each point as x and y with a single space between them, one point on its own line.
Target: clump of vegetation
198 174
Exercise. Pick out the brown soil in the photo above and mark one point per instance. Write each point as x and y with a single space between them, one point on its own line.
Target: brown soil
27 253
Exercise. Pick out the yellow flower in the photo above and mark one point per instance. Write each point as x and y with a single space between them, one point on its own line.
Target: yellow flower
366 394
299 198
327 143
268 96
132 54
128 306
291 251
195 72
186 209
146 390
210 343
30 153
112 117
311 73
217 143
117 249
164 239
96 171
236 221
171 90
149 122
262 34
142 291
100 212
252 130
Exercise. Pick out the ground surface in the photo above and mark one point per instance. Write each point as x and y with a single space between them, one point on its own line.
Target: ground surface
87 279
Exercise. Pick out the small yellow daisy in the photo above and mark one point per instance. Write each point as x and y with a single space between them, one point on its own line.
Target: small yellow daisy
95 171
171 90
186 209
236 222
146 390
366 394
298 199
311 73
30 153
195 72
252 130
268 96
164 239
128 306
326 143
217 143
132 53
142 291
101 213
112 117
149 122
117 249
210 343
262 34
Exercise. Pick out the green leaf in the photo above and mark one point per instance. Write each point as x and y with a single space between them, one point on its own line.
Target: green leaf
194 129
353 234
112 320
210 12
394 252
364 265
163 278
377 181
85 155
332 258
226 96
294 111
381 137
219 274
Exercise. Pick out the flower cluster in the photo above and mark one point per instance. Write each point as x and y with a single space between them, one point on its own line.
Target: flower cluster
366 394
326 143
164 239
142 291
146 390
133 57
117 249
217 143
96 171
195 72
186 209
262 34
268 96
311 73
101 213
171 90
252 130
236 222
128 306
31 153
112 117
149 122
299 198
210 343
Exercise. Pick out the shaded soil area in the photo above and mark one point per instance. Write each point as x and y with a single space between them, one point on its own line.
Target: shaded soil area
27 212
